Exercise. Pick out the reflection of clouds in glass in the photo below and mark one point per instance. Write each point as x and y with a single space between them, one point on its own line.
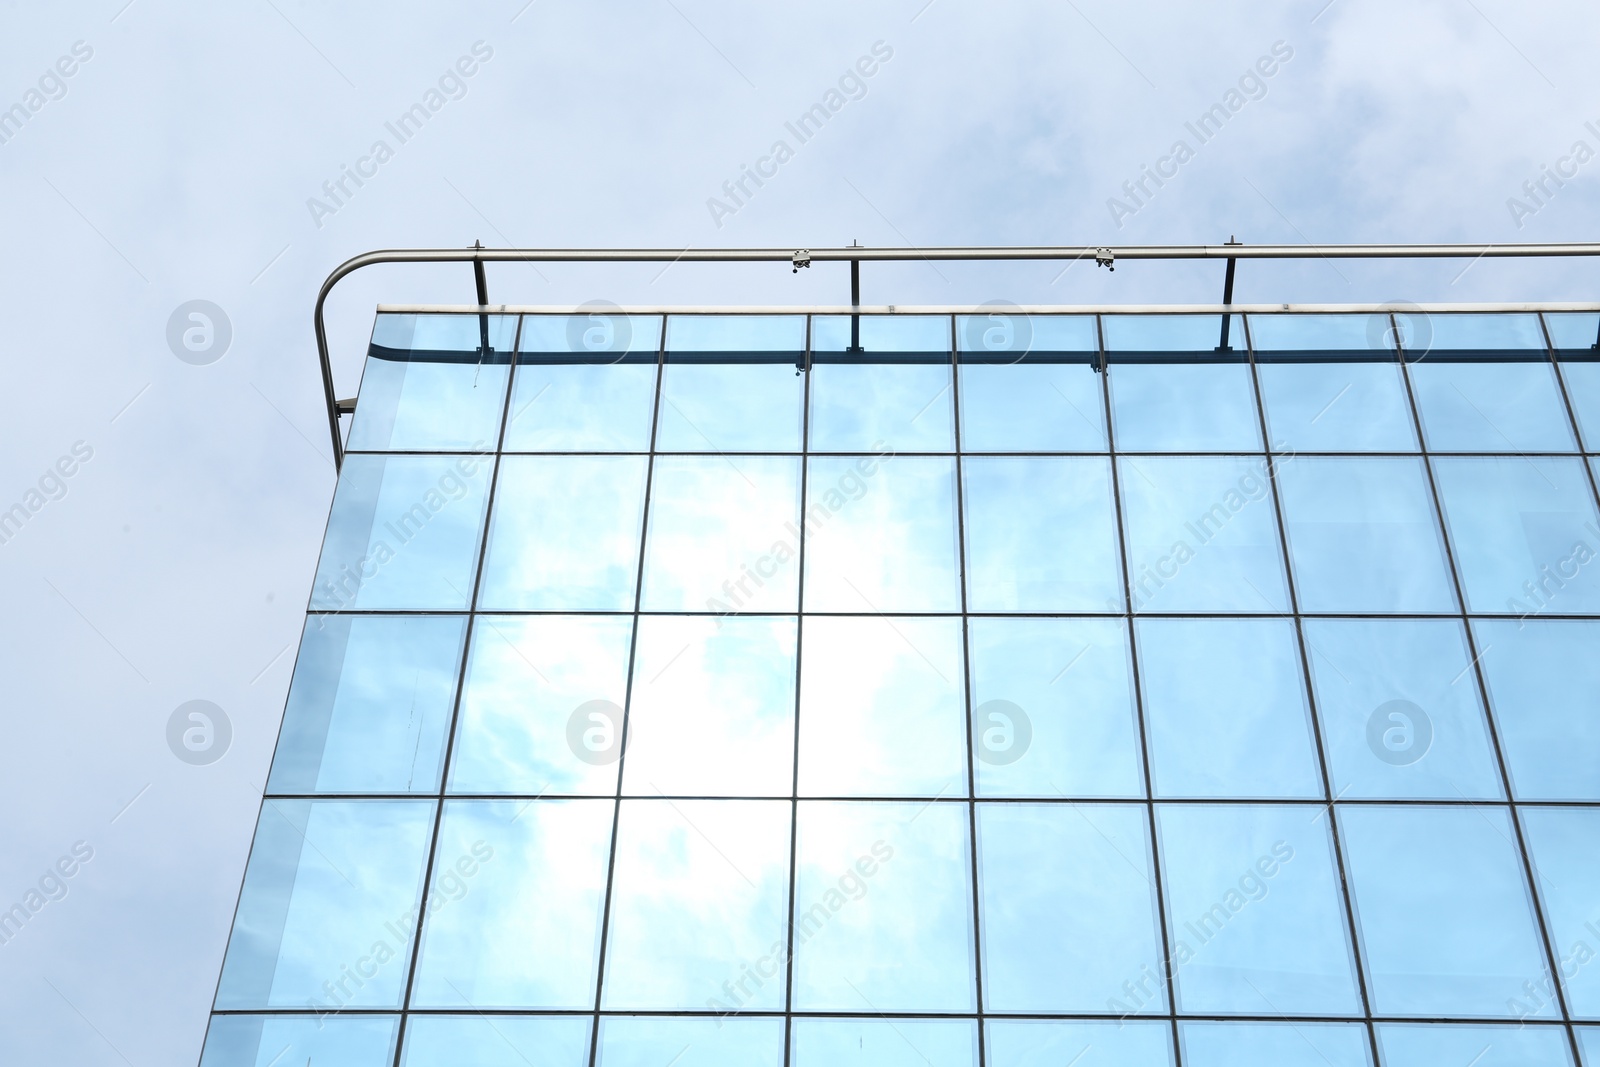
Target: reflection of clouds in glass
855 405
651 1041
566 407
885 1043
1172 407
1031 407
730 407
496 1041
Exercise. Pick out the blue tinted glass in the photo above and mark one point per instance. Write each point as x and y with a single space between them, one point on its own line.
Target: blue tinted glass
1443 911
699 899
565 534
329 905
1041 535
1052 708
429 385
643 1041
1169 333
885 1043
883 908
732 383
1031 1043
870 406
1005 334
341 733
1032 407
881 710
1583 390
1225 708
1566 864
403 534
1589 1042
881 534
1183 406
584 383
1357 335
1524 531
1544 686
1573 331
1485 406
722 534
1337 407
278 1040
1481 1046
1472 332
514 912
1255 911
1363 536
1202 535
914 334
1275 1045
1399 708
1067 901
541 709
499 1041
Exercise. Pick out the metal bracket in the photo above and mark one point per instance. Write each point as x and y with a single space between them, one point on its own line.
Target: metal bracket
1104 257
802 258
346 407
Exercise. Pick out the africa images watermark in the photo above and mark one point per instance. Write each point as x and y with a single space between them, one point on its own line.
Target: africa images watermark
1543 588
51 486
51 85
51 886
1552 179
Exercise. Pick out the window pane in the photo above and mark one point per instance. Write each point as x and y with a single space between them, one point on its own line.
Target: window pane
1589 1043
1005 335
1041 535
1208 1044
644 1041
713 708
1561 844
274 1040
927 335
1255 911
1472 405
1573 331
517 925
1068 907
1052 708
541 711
1183 406
1363 537
881 710
866 402
881 535
403 534
1030 383
732 383
429 386
723 534
699 906
1202 535
1582 377
1167 334
883 908
331 891
1481 1046
584 383
1226 710
1523 530
341 733
1544 685
1473 332
1356 336
1400 710
885 1043
1337 407
1443 910
1036 1043
565 534
499 1041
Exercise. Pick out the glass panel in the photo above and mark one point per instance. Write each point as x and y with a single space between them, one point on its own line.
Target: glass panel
1573 331
699 906
541 711
1523 530
429 386
1226 709
713 708
1068 909
1150 334
1255 911
732 383
881 710
1337 407
881 535
403 534
1037 1043
1208 1044
1561 844
584 383
514 916
1473 332
1351 335
1030 383
1202 535
279 1040
1442 908
1400 710
642 1041
1481 1046
885 1043
329 905
1576 337
344 730
1180 407
723 535
1363 537
894 393
1052 708
1589 1043
565 534
1544 685
1004 335
883 908
497 1041
1483 406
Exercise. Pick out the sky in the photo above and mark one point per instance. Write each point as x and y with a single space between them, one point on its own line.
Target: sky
176 494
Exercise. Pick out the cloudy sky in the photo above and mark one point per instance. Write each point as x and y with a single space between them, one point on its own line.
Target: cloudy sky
185 158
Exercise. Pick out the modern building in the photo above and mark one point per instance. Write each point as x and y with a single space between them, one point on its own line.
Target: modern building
997 686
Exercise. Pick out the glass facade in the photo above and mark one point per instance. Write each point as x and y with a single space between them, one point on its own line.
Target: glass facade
981 691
